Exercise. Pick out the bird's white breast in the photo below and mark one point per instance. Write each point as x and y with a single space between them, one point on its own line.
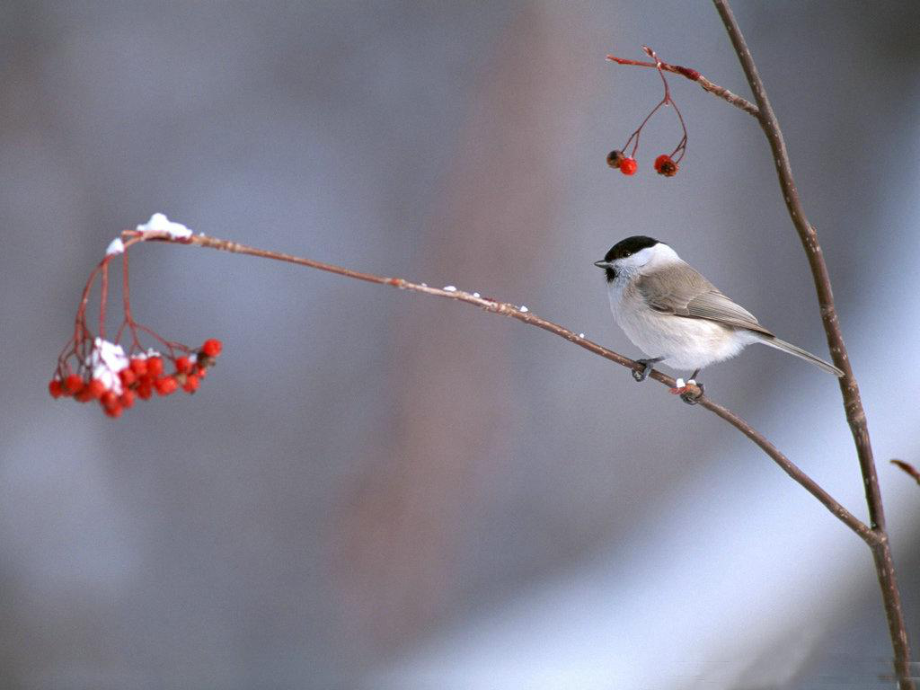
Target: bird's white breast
684 343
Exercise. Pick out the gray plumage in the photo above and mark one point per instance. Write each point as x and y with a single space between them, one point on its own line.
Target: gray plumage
688 294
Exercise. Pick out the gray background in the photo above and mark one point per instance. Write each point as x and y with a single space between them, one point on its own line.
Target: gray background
376 489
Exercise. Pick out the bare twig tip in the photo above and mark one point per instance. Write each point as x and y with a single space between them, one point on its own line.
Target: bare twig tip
908 468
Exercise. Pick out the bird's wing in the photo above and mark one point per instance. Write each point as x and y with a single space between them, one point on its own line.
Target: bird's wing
687 293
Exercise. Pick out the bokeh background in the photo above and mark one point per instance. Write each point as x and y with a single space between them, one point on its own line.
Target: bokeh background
382 490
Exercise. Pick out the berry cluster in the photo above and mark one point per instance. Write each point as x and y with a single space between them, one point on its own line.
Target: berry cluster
94 367
117 380
665 164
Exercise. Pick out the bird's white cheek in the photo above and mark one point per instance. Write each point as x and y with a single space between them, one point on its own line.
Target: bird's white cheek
637 260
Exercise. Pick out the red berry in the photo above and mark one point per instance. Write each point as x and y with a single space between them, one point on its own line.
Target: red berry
138 366
155 366
96 388
191 384
73 384
127 399
55 388
665 166
83 395
127 377
212 347
166 385
114 411
109 399
202 372
144 389
183 365
628 166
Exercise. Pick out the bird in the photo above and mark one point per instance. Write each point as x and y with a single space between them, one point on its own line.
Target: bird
677 317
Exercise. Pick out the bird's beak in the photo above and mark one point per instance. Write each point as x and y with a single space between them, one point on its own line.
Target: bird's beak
602 264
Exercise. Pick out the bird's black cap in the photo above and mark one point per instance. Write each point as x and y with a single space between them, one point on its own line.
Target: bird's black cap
629 246
621 250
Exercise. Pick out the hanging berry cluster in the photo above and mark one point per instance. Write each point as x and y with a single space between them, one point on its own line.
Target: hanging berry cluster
666 164
94 368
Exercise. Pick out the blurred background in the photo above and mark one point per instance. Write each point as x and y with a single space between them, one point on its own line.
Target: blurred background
382 490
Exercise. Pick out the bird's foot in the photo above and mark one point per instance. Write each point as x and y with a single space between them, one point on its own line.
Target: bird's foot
690 392
648 365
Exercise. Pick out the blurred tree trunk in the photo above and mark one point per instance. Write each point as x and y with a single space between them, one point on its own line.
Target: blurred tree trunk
405 527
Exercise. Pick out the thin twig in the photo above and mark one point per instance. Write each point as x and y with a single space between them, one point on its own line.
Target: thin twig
528 317
693 75
855 414
908 468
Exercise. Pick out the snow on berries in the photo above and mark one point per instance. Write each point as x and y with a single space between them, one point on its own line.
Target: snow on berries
136 362
116 379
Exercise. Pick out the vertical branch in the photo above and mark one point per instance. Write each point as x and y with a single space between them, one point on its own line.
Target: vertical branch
852 403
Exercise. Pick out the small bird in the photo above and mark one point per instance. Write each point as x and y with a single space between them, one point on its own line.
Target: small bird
676 316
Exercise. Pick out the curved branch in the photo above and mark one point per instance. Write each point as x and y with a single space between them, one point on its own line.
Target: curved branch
526 316
852 402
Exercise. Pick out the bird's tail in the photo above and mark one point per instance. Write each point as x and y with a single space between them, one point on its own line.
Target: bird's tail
802 354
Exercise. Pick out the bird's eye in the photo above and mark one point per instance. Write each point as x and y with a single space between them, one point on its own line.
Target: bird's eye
626 254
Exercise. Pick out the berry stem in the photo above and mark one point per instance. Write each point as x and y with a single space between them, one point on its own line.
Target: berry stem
666 100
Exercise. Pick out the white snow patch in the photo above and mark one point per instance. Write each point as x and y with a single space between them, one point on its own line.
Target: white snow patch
524 309
160 223
106 360
450 288
116 246
679 383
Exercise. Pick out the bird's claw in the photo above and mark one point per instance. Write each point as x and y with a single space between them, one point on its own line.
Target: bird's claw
690 392
647 366
691 398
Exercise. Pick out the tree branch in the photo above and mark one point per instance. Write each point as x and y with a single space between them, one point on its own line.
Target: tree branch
526 316
855 414
691 74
